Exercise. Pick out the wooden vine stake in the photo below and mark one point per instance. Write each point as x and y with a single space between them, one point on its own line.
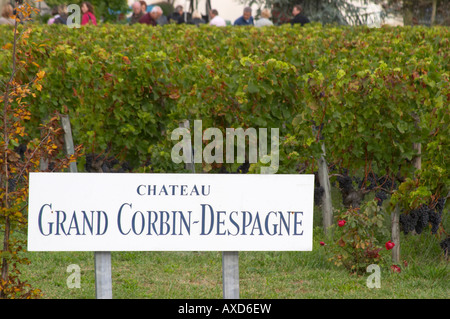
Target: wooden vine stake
395 229
395 215
103 275
324 180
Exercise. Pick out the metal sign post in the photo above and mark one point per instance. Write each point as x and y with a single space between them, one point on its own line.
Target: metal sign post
230 259
230 274
103 281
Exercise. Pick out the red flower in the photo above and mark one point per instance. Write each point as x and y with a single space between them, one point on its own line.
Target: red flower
322 243
341 223
396 268
389 245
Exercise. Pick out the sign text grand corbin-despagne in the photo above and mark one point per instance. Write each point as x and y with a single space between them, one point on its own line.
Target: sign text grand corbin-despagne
129 221
170 212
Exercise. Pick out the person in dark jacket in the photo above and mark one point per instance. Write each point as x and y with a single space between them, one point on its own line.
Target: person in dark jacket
246 18
177 16
62 15
298 16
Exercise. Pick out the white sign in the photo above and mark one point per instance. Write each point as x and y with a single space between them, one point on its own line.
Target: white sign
170 212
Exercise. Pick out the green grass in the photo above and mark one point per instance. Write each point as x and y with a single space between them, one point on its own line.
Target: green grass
270 275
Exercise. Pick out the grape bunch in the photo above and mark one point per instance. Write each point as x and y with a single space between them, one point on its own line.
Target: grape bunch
21 149
419 218
436 216
318 194
350 196
370 182
423 214
440 205
435 221
345 183
408 221
387 183
381 196
105 164
243 169
12 183
445 245
319 191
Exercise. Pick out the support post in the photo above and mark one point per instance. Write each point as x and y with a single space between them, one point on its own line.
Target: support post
103 282
324 180
68 141
190 166
230 274
395 228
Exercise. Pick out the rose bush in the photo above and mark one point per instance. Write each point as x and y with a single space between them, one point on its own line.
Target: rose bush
355 243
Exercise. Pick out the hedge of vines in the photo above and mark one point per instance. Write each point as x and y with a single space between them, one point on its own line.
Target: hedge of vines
368 95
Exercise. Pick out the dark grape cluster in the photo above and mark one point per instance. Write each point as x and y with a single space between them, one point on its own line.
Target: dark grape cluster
21 149
370 182
381 196
423 214
105 164
350 196
387 183
408 222
445 245
318 194
382 184
440 205
435 220
243 169
418 219
319 191
12 183
436 215
345 183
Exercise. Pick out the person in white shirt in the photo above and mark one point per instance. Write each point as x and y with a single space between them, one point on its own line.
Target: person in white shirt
215 19
264 21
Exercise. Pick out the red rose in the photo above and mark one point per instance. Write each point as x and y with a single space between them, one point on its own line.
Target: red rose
341 223
322 243
396 268
389 245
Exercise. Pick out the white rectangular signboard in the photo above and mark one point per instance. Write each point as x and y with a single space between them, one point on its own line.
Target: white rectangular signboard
170 212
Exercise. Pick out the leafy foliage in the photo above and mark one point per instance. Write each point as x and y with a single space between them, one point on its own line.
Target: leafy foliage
20 153
367 94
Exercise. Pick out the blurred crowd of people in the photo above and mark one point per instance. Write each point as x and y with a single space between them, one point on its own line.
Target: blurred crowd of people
155 16
60 14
